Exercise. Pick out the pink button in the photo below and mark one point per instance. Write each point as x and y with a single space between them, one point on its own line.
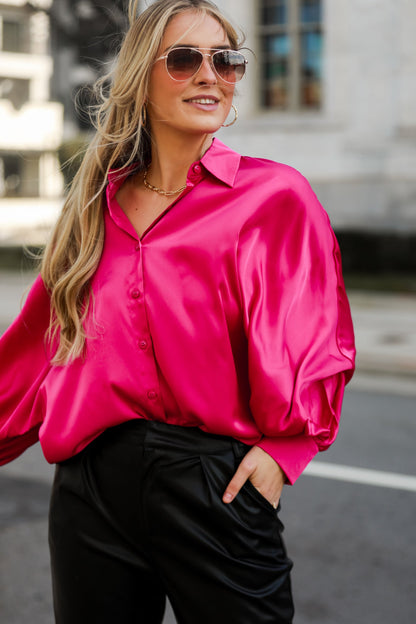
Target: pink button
135 293
197 169
143 345
152 395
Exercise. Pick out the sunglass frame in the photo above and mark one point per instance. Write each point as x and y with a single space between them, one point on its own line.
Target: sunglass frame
211 54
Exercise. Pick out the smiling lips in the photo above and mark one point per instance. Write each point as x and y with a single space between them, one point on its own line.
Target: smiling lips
204 101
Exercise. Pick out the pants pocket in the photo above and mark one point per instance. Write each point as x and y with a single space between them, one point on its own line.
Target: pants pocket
248 527
259 498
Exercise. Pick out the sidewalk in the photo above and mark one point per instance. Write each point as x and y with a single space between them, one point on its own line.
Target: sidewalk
385 330
385 326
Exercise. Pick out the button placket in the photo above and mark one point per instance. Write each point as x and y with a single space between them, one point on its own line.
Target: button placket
146 368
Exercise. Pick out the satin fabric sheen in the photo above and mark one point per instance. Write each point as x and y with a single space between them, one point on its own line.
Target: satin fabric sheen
229 314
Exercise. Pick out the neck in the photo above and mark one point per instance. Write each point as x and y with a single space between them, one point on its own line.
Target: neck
171 159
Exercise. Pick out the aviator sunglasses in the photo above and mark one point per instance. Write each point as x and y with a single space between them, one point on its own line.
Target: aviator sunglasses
183 63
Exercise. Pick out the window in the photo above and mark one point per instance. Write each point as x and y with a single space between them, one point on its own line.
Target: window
19 176
10 176
12 36
16 90
291 54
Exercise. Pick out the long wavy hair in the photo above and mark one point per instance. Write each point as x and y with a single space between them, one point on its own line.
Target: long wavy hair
122 137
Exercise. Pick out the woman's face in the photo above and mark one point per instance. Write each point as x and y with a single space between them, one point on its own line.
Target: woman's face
200 104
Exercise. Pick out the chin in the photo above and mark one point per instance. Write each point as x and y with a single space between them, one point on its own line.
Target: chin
206 128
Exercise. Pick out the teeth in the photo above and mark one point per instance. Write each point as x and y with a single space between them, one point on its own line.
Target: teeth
203 101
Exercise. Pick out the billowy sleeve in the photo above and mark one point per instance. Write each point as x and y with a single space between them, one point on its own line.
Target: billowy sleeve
298 325
24 364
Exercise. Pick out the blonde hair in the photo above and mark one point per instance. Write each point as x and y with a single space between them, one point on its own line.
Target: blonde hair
73 253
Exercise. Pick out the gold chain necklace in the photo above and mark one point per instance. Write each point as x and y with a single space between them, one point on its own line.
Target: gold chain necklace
155 189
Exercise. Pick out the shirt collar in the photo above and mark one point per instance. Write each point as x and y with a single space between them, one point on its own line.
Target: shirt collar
222 162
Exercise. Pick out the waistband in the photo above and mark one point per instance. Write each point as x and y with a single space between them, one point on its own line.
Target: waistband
160 435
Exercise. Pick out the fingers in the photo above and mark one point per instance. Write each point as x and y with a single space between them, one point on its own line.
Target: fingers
244 470
264 473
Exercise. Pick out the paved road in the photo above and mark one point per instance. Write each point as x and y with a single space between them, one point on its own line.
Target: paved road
352 542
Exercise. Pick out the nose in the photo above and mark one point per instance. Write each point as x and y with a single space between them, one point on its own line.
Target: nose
206 73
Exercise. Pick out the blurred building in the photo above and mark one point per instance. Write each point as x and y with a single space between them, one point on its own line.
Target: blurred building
331 90
85 36
30 124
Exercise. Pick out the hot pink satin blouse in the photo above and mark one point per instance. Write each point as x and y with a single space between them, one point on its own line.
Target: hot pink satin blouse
229 314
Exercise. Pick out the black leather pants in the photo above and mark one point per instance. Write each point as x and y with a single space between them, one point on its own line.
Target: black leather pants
137 516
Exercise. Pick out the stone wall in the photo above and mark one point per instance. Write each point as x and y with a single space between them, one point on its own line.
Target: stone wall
359 151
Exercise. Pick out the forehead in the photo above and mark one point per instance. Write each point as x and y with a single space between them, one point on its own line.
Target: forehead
192 28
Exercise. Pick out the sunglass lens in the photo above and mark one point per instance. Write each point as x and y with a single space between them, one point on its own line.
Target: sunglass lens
230 65
182 63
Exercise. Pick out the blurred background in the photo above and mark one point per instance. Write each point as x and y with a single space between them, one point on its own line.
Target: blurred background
330 90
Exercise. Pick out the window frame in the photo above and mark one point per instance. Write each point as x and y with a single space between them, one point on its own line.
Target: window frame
294 28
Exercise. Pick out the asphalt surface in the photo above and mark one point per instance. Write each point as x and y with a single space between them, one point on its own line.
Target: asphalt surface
351 538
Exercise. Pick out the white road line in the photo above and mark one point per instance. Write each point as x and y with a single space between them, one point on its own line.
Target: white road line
377 478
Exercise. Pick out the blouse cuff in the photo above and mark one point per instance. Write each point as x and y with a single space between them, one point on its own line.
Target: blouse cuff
292 454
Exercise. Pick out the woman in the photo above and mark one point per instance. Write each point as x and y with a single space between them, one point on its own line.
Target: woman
185 350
